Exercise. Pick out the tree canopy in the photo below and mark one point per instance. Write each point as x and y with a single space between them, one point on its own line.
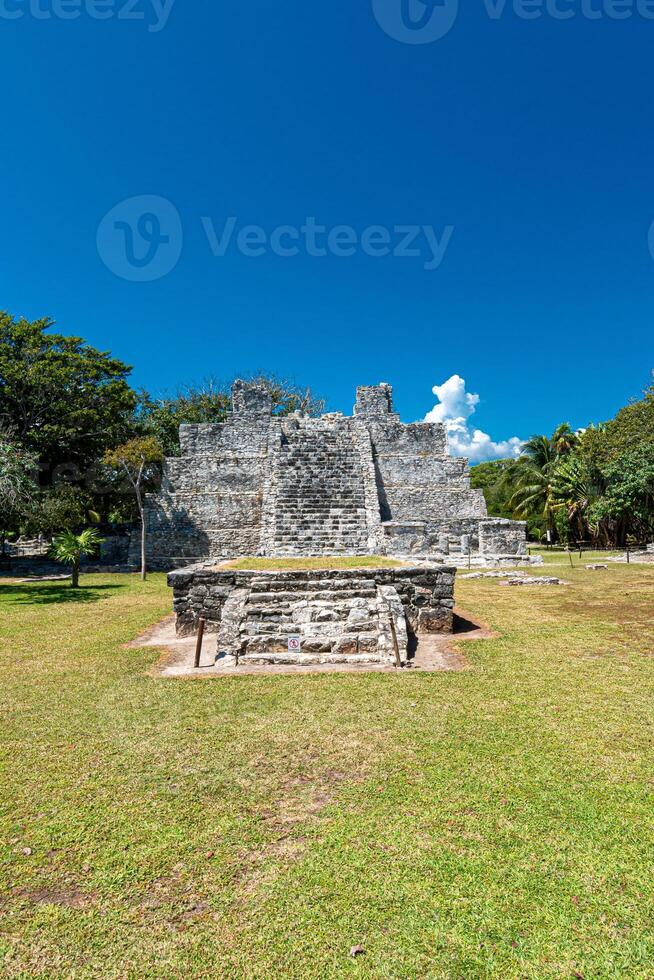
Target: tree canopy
211 402
596 484
63 399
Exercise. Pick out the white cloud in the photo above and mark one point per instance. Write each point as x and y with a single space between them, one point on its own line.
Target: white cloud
454 409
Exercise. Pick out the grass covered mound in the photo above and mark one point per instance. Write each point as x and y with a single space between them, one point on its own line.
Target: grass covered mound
299 564
491 823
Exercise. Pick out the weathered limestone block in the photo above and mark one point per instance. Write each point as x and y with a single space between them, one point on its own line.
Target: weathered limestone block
435 620
425 471
502 537
251 399
228 473
413 503
376 400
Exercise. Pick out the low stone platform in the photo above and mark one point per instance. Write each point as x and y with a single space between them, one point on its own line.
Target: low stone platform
305 617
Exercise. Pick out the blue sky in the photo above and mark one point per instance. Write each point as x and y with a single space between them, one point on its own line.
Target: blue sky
530 140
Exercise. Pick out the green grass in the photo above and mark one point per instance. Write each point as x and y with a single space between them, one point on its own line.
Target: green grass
572 559
496 822
297 564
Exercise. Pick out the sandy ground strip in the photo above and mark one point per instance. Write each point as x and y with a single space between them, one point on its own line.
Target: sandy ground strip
434 653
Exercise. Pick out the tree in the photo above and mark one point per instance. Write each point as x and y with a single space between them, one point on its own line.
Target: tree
139 460
58 508
629 497
288 397
70 548
533 492
576 487
17 485
64 400
210 402
563 440
493 478
539 493
162 417
540 451
632 426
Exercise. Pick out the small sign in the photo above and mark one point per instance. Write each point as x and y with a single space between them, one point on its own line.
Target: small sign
294 644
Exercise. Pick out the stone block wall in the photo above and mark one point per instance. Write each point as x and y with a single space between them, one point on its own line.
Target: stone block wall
427 594
262 485
502 537
416 478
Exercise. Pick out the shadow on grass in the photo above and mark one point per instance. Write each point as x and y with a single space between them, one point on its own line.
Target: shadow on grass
44 594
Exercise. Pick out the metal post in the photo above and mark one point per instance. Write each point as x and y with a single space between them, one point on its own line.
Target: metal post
198 645
398 659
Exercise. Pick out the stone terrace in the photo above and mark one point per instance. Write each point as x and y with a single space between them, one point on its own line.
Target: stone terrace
339 616
260 484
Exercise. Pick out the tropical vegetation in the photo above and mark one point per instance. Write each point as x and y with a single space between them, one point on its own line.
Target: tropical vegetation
70 548
595 485
78 444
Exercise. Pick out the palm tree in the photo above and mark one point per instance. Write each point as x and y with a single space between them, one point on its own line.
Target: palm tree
533 474
71 548
576 487
564 440
540 451
533 490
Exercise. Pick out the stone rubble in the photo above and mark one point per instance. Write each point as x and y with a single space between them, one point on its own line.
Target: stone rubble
637 557
506 575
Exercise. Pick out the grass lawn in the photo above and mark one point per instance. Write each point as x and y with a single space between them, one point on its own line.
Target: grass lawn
496 822
297 564
571 559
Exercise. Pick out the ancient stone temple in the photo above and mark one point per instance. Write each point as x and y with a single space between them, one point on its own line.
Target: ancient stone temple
260 484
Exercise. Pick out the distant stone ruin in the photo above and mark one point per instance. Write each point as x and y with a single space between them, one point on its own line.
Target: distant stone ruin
264 485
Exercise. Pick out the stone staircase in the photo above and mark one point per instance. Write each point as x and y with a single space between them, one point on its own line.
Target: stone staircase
320 505
335 621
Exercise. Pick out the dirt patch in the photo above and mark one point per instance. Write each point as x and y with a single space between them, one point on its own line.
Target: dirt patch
70 897
297 808
439 651
434 652
158 635
170 893
619 611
